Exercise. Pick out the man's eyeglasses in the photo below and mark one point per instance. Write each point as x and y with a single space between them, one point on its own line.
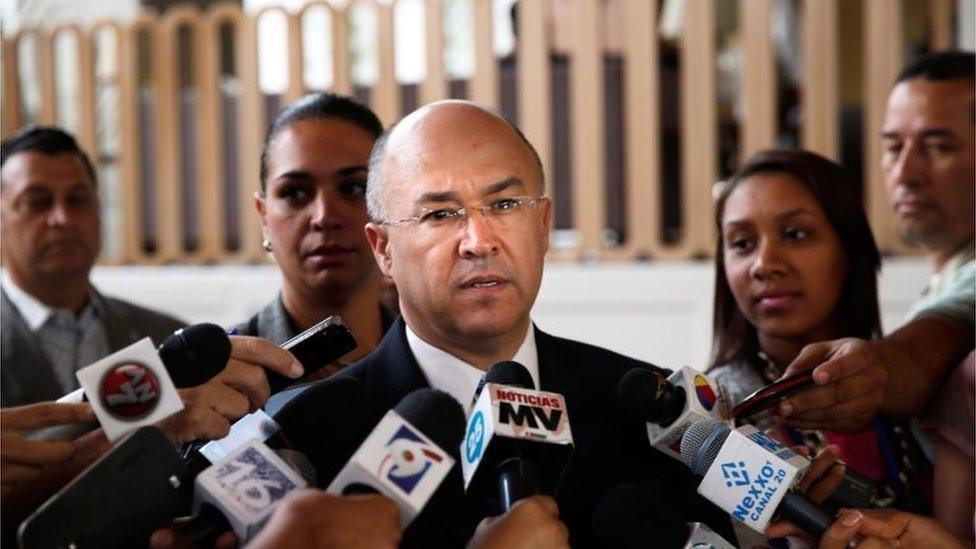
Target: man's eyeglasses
503 211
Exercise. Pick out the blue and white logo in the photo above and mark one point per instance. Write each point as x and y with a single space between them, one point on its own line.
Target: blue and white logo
735 473
765 441
408 459
474 440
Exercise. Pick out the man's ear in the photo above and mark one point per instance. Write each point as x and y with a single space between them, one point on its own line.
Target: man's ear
545 219
379 240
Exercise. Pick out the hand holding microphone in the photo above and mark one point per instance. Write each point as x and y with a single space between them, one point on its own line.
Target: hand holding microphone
21 459
531 522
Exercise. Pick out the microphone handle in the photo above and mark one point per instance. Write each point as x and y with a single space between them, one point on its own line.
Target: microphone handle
517 478
803 512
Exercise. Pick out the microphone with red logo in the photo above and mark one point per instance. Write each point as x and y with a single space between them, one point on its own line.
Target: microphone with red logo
512 429
669 405
408 454
133 382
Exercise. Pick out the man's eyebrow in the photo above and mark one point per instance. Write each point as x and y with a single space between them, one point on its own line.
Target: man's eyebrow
927 132
504 184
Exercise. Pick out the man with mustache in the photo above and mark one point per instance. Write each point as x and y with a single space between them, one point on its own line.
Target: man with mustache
54 320
460 223
928 163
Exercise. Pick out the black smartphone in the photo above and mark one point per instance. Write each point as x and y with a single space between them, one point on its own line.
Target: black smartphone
772 394
118 501
315 348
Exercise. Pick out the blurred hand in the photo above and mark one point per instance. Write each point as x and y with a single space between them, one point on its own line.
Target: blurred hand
532 522
315 519
24 460
821 479
873 528
245 371
241 387
851 379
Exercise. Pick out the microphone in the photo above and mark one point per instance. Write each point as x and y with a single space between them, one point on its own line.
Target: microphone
191 356
118 501
629 517
242 490
749 475
669 406
194 354
409 453
511 430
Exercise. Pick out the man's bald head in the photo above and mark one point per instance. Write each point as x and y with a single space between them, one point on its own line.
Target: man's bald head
438 124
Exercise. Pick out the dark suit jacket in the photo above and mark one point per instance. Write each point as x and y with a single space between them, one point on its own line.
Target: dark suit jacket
26 375
610 447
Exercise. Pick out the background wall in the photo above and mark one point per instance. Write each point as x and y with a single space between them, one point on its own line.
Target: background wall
656 312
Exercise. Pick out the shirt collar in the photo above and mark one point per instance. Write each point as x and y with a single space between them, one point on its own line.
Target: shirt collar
35 312
459 379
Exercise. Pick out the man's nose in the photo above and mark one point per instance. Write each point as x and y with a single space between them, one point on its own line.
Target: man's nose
479 237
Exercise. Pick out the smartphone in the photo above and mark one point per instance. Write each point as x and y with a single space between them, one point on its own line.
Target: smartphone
315 348
140 485
772 394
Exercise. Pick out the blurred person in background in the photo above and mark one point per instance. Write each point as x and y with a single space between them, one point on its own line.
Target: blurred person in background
312 205
53 320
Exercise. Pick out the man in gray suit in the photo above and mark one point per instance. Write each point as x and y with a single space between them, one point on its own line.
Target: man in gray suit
53 321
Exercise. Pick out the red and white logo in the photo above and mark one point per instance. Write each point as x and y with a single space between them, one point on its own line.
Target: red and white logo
129 390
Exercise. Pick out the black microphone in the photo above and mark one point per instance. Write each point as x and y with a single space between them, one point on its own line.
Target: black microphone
755 485
195 354
629 516
512 429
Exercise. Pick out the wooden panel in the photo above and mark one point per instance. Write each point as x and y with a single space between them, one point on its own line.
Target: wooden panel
12 118
940 24
386 92
699 141
252 123
534 108
87 117
820 131
589 181
642 137
341 82
434 86
484 83
296 60
131 132
48 114
883 58
758 79
211 214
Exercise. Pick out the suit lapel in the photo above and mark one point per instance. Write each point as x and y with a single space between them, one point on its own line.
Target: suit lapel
119 329
393 370
26 369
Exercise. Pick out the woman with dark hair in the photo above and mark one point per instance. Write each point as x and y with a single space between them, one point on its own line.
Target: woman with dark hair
313 210
795 264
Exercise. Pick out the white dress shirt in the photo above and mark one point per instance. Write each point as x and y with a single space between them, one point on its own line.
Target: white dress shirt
456 377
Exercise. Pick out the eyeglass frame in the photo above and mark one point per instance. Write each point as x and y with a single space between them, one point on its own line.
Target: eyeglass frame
463 211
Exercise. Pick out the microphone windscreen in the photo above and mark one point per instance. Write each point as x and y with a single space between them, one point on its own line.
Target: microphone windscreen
506 372
437 415
327 421
194 354
701 443
628 516
637 391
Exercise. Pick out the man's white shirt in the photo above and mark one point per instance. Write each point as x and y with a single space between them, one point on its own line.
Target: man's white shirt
456 377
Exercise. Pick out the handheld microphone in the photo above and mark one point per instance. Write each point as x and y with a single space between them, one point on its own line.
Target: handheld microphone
749 475
241 491
669 406
191 356
118 501
408 454
512 429
629 517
